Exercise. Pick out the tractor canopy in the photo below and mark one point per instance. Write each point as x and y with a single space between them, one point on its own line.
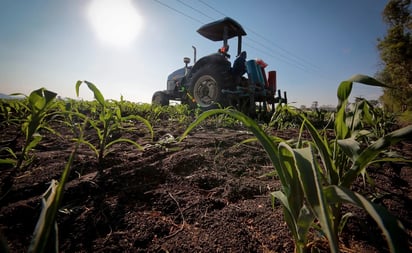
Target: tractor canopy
222 30
216 30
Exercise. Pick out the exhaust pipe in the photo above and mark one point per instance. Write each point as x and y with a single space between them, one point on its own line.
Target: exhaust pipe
194 54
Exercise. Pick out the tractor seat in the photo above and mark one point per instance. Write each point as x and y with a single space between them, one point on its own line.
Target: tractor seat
239 65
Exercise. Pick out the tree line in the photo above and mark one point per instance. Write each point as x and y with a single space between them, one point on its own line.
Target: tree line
395 50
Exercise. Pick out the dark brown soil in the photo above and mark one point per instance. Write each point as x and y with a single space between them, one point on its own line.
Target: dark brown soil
204 194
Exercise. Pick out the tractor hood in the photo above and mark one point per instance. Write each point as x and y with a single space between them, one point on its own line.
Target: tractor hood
216 30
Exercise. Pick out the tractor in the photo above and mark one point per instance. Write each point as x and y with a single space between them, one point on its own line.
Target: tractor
213 82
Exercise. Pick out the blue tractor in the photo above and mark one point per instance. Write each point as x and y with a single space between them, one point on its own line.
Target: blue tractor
213 82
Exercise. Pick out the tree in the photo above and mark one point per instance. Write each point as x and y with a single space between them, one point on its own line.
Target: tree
396 54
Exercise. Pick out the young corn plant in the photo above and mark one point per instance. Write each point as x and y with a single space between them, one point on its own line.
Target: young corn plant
75 115
313 191
40 103
5 113
282 118
45 235
349 154
109 120
13 111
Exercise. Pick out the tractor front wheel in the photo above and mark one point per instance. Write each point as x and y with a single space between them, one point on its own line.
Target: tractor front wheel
206 87
160 98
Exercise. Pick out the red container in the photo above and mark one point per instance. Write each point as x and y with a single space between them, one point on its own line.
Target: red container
272 80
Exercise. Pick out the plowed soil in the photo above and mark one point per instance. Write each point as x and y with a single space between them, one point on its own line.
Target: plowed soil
204 194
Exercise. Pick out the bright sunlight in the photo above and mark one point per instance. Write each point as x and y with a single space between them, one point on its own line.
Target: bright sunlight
115 22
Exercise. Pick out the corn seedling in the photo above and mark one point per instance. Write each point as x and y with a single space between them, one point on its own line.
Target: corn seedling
40 102
45 236
343 159
364 116
109 120
313 191
283 119
12 111
5 113
73 114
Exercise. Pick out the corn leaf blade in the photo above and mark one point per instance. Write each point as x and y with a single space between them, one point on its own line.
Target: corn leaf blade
391 227
143 120
139 147
323 149
313 190
370 153
350 147
46 223
96 92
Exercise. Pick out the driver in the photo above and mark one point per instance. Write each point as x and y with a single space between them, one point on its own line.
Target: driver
239 67
223 50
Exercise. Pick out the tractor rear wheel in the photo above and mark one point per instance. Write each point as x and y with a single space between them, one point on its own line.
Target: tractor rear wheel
160 98
207 84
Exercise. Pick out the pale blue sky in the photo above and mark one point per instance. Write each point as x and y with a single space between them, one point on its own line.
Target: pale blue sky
313 45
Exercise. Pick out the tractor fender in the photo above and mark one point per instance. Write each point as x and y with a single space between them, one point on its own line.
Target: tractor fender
216 59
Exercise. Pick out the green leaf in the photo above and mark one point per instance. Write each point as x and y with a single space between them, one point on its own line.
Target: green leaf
290 218
350 147
40 99
10 151
324 151
368 113
392 159
343 221
299 216
360 133
78 83
49 95
305 221
298 224
392 228
364 79
341 128
36 100
94 124
292 186
123 140
10 161
354 117
373 150
275 139
144 121
118 113
33 124
18 94
96 92
87 143
313 190
344 90
36 139
46 223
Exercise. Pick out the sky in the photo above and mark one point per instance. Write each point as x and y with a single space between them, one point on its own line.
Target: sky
129 49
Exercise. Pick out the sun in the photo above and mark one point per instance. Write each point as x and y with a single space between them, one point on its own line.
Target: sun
115 22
